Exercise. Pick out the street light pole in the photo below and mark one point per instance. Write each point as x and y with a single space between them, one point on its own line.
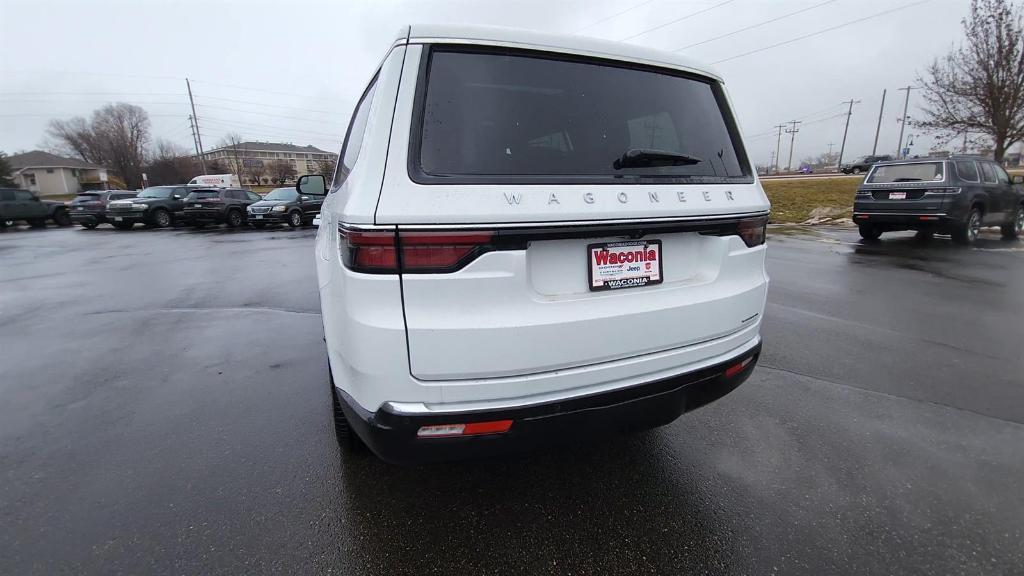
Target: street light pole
778 146
903 123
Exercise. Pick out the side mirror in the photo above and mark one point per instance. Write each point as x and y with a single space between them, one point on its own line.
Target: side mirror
1018 179
304 198
176 196
314 184
316 221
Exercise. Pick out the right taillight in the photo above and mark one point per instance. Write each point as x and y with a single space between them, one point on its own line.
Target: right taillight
386 252
752 230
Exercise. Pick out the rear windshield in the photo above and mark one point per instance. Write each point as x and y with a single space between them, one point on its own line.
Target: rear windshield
528 116
86 198
916 172
204 194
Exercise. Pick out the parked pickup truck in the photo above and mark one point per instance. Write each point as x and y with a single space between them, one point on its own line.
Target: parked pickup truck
18 204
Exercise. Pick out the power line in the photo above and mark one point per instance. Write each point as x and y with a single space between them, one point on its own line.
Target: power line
90 94
680 19
819 32
616 15
237 87
79 101
268 114
270 105
758 25
272 127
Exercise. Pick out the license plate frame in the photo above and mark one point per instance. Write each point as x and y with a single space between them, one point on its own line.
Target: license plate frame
118 218
897 195
617 275
258 216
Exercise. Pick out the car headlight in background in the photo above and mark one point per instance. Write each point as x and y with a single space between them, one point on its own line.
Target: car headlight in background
280 208
138 206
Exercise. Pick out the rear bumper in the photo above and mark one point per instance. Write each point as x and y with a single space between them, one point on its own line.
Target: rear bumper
269 217
204 216
88 217
903 220
391 434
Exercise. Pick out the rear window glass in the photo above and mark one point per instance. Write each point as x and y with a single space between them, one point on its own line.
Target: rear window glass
968 171
515 116
86 198
916 172
122 196
204 194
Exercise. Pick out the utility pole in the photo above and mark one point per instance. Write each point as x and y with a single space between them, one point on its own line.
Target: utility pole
874 149
778 146
194 141
903 122
829 157
792 139
849 112
195 122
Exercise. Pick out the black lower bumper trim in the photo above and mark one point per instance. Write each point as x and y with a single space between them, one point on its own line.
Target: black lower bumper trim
392 436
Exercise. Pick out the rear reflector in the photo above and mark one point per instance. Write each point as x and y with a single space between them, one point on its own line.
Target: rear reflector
929 218
737 368
471 429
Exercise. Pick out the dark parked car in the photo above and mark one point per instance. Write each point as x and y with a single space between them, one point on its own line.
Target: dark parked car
863 164
18 204
285 205
218 206
955 196
156 206
90 208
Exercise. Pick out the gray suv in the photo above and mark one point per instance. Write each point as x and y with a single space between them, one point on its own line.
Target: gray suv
956 196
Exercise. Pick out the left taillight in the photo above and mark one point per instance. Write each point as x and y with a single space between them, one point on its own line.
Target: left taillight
752 230
388 252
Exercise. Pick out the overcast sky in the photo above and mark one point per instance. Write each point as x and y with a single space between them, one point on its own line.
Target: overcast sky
291 71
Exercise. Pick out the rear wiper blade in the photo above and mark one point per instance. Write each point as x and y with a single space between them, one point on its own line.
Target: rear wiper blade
647 157
906 180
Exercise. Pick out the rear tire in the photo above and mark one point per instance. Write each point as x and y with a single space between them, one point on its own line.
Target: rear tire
1013 229
856 171
869 232
295 219
234 219
37 223
348 440
61 217
967 231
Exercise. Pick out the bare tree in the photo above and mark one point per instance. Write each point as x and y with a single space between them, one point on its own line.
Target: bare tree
281 171
978 88
116 137
5 171
216 166
257 171
170 164
326 168
232 143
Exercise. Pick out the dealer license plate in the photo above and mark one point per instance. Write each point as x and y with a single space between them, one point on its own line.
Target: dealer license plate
118 218
617 265
259 216
197 205
897 195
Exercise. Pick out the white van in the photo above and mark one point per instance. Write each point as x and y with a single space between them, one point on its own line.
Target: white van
216 181
531 238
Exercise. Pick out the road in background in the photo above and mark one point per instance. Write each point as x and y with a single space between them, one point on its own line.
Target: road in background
166 410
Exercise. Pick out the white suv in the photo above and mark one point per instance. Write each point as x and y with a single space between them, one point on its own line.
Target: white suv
534 237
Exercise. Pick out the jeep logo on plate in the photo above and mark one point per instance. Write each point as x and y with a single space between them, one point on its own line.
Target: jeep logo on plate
652 197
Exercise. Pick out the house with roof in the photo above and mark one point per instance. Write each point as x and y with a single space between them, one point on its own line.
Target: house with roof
51 175
242 158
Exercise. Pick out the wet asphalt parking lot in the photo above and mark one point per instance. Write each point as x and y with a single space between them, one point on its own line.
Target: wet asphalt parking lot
164 409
